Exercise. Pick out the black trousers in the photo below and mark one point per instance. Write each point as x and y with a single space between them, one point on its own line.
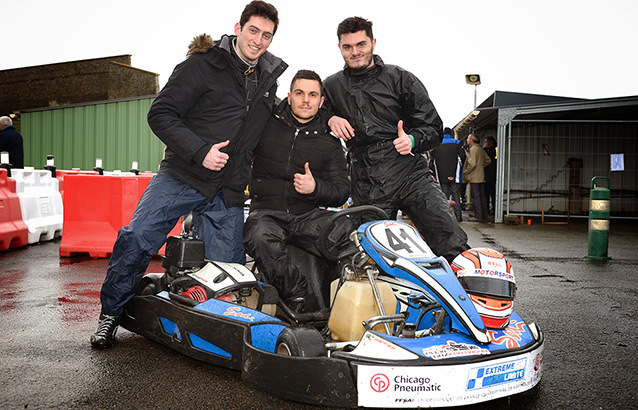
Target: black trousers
267 234
421 199
453 189
478 199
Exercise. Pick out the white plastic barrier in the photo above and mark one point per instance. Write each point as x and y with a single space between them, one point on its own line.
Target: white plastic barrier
40 202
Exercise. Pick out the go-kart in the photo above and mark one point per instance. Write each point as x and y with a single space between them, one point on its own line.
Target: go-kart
398 329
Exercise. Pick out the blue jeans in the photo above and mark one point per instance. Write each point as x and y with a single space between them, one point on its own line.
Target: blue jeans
164 201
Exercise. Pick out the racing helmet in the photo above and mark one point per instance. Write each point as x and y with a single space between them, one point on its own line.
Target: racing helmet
488 278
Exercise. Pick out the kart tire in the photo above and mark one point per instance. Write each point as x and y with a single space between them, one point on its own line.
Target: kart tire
300 342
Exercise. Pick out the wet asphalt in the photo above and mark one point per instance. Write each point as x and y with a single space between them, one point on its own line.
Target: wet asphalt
49 307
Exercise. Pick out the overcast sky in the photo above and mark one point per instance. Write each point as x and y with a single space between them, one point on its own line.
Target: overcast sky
573 48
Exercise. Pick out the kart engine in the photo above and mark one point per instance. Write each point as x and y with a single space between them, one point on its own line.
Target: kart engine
190 275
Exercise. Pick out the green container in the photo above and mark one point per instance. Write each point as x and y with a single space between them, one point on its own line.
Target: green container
599 204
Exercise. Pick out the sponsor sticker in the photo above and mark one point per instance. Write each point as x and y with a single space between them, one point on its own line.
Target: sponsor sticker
447 385
493 273
236 311
481 377
453 349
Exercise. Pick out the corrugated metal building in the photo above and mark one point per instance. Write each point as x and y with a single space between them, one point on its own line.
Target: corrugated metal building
550 148
115 131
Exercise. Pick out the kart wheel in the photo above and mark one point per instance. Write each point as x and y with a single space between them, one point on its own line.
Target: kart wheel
300 342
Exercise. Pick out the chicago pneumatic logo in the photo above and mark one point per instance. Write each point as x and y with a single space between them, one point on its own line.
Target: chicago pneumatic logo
403 383
379 382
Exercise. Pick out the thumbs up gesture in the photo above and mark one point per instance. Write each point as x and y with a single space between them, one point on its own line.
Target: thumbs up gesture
305 183
215 160
403 144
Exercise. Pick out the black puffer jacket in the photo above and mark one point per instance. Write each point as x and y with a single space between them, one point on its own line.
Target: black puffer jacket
374 101
283 151
203 103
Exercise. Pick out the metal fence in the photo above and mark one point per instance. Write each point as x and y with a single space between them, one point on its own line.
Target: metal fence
552 164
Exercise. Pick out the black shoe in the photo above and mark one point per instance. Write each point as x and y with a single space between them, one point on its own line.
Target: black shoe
106 329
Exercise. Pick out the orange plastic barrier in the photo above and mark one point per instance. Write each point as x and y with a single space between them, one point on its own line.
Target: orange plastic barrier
13 230
96 207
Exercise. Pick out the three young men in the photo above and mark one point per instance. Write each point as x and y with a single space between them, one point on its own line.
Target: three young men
211 126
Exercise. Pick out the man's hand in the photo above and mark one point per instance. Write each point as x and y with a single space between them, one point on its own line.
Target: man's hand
215 160
341 128
403 144
305 183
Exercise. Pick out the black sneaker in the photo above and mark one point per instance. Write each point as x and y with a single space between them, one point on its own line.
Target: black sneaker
106 329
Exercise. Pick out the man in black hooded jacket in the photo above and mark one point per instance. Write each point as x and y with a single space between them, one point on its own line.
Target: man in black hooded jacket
209 114
386 116
298 168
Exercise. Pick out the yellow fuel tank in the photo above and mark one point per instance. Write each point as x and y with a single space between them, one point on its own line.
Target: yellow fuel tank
355 303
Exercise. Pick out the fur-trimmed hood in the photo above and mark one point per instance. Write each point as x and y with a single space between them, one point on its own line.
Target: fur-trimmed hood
200 44
203 43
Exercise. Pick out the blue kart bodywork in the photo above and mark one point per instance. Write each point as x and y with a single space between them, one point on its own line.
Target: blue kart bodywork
461 363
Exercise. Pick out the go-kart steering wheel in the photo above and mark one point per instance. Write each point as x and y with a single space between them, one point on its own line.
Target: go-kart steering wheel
335 249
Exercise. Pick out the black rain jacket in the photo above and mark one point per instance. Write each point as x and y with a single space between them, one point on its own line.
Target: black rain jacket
373 101
283 150
203 103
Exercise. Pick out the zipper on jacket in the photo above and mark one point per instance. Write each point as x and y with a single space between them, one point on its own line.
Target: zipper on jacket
288 168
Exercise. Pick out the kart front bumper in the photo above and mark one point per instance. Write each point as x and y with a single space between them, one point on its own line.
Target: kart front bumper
337 382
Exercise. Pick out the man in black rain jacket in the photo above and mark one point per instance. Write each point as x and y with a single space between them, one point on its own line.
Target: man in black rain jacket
298 168
209 114
386 116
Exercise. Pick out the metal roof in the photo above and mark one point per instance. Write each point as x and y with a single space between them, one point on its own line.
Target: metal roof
550 108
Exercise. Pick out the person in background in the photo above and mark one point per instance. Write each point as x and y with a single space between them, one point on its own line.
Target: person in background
489 146
11 142
447 162
297 169
210 115
388 121
474 174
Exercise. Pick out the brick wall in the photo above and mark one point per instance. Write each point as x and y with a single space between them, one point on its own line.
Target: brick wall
74 82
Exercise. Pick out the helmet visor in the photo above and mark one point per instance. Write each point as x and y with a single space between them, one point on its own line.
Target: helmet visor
489 287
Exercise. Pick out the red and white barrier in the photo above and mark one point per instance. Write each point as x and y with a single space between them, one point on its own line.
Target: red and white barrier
13 230
40 203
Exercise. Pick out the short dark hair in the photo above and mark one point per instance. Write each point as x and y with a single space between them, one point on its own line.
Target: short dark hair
448 131
307 75
260 9
491 140
353 25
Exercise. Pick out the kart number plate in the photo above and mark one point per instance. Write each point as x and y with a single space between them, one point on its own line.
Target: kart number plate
400 239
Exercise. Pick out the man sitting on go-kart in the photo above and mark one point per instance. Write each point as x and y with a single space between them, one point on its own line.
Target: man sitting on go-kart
298 167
